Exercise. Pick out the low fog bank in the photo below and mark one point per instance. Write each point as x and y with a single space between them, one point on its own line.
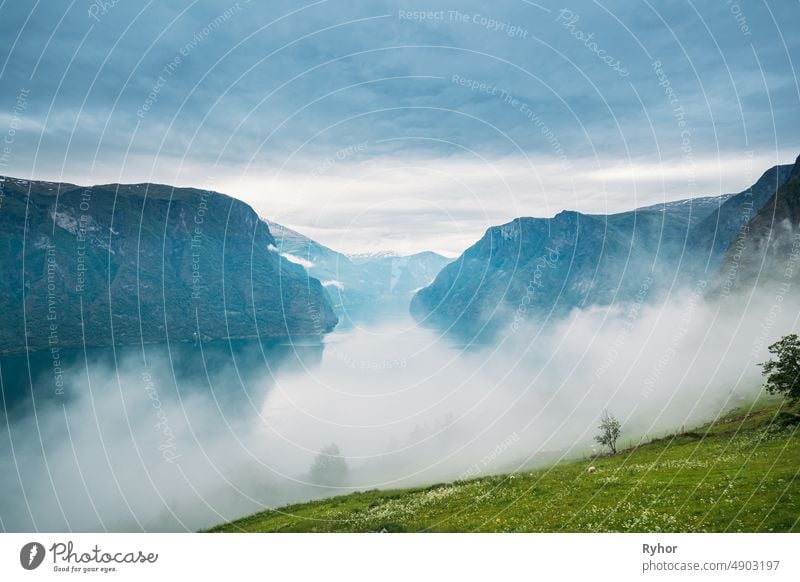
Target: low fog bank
408 407
139 448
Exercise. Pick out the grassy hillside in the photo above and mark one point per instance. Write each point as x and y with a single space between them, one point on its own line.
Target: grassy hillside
740 473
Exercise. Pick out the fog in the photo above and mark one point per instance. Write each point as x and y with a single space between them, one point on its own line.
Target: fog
150 444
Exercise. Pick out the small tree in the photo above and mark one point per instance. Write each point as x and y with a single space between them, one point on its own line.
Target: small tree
610 429
329 467
783 373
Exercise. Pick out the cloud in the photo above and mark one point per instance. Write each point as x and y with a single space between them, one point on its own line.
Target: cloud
412 204
271 99
297 260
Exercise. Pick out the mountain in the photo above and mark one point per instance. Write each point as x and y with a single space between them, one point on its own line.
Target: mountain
714 235
144 263
330 267
371 256
402 274
766 252
359 285
536 268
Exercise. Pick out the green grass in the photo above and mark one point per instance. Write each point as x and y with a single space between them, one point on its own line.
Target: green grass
738 474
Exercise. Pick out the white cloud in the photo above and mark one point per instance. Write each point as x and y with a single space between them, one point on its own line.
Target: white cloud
410 204
446 204
297 260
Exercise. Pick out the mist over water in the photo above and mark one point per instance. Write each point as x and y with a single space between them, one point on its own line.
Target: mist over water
190 436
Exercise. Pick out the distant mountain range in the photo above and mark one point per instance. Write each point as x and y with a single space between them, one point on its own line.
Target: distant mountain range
124 264
360 285
540 268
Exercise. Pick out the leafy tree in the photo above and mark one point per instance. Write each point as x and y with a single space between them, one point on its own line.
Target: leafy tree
610 429
783 374
329 467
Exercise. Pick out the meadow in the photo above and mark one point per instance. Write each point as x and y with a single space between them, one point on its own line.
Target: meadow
739 473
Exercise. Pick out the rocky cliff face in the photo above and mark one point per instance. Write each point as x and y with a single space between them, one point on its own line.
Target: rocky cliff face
713 235
124 264
536 268
766 251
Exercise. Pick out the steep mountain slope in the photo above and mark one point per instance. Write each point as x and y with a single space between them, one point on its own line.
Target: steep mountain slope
144 263
330 267
766 251
738 473
358 284
716 232
535 268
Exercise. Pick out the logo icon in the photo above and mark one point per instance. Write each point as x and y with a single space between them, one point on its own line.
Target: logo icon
31 555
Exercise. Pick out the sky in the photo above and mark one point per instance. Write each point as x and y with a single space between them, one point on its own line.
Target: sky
405 126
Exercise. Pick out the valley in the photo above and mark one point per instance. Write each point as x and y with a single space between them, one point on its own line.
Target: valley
237 349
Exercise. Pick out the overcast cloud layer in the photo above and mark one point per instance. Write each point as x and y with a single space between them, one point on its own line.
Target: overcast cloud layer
371 125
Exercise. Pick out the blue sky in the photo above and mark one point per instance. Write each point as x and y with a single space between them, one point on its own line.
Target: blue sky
403 125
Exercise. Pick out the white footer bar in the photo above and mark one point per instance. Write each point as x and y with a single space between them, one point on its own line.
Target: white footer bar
402 557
